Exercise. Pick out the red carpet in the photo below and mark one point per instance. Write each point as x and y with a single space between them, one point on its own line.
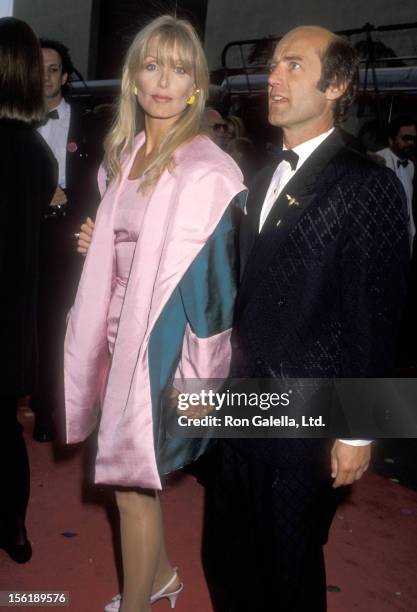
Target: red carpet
371 557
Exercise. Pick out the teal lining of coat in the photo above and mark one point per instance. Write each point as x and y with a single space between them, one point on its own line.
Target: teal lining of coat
205 299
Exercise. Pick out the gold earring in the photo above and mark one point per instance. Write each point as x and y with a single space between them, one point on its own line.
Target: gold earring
191 99
135 90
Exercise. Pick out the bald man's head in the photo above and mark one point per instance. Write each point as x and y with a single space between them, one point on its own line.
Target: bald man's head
319 37
339 62
215 126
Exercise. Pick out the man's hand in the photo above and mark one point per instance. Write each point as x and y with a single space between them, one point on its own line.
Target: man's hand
349 462
59 198
84 237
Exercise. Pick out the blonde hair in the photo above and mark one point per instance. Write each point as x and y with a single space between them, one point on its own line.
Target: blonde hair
173 35
237 125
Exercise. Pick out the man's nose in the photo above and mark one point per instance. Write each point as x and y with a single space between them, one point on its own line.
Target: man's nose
275 76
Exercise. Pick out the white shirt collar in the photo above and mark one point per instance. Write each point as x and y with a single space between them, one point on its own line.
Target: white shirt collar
305 149
398 159
283 172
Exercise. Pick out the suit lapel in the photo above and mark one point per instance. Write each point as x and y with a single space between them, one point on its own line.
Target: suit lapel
250 226
299 193
75 143
70 138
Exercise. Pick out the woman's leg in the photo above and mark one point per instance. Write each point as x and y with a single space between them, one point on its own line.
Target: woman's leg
146 568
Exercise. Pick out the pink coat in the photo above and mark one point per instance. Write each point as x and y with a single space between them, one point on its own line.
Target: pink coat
183 211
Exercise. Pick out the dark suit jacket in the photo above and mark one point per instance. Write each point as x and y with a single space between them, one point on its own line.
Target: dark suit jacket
84 155
323 284
28 175
60 264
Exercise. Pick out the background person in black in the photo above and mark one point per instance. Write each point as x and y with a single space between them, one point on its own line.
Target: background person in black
70 131
324 256
402 141
27 184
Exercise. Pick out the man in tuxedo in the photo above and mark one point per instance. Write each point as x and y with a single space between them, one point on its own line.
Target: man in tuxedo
70 135
324 251
402 141
398 156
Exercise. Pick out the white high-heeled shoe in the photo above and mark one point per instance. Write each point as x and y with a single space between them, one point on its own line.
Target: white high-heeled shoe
165 594
114 605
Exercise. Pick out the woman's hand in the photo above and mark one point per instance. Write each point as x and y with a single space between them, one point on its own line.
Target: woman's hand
84 237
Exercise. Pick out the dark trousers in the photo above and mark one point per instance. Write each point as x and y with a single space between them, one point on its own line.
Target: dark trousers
60 267
14 468
47 401
264 532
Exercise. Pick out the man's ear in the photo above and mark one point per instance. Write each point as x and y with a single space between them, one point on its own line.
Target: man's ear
390 142
333 92
64 78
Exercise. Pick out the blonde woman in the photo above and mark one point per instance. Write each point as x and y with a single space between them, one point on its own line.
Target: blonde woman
155 299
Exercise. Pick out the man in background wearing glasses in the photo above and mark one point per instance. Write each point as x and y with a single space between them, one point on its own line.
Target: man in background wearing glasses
216 127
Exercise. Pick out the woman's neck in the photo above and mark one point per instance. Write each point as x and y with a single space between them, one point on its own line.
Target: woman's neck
155 131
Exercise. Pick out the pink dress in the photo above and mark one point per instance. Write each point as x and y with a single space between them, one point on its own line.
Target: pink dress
127 225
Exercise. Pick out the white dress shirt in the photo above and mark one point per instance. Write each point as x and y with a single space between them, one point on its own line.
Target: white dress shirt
55 133
280 178
283 173
405 175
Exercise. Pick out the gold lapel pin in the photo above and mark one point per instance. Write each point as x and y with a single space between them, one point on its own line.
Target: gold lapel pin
291 201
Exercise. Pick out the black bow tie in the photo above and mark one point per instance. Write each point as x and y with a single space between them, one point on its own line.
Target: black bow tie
402 162
289 156
52 114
